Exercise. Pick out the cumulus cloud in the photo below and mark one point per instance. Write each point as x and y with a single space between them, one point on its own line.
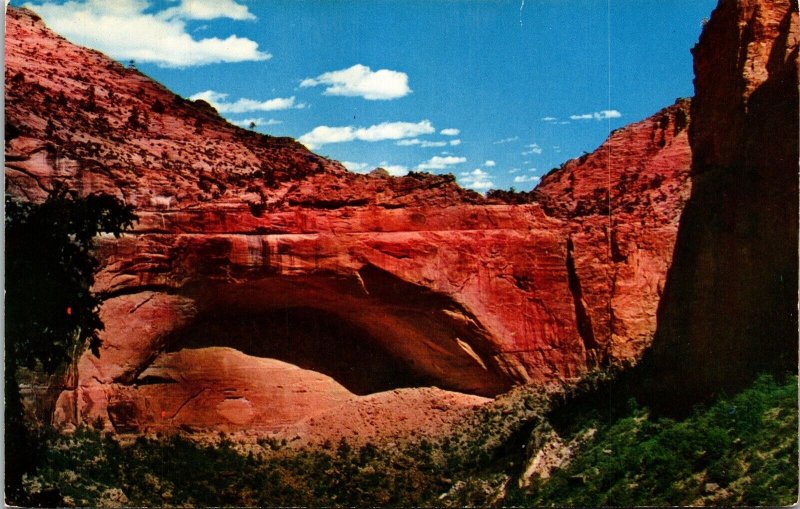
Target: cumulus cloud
127 31
395 170
355 167
549 119
506 140
455 143
361 81
450 131
421 143
218 101
210 9
440 163
245 122
427 144
324 135
597 115
489 163
514 170
520 179
534 148
476 179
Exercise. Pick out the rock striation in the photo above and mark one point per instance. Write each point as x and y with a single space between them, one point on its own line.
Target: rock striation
730 305
250 245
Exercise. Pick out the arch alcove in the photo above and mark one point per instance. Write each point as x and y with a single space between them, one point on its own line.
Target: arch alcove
268 352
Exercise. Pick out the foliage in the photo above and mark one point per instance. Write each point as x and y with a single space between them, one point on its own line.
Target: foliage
50 312
49 271
178 471
511 196
739 451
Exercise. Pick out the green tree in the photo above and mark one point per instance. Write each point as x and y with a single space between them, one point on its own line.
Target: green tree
51 314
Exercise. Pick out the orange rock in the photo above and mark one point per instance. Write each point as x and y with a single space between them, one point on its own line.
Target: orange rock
414 279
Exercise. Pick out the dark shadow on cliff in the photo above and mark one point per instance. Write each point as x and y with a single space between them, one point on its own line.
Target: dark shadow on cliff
309 338
729 309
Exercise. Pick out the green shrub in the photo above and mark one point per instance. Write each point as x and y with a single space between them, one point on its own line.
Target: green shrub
740 450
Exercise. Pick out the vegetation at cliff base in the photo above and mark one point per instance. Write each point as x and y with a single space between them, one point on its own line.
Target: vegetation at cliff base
740 450
51 314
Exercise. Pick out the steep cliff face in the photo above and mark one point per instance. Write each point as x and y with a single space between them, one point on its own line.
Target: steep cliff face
620 245
366 282
730 305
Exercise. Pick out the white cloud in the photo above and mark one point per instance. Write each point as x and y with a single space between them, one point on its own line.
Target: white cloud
534 149
409 143
124 30
361 81
217 100
245 122
519 179
210 9
395 170
476 179
450 131
514 170
421 143
549 119
506 140
324 135
355 167
597 115
489 163
455 143
440 163
394 130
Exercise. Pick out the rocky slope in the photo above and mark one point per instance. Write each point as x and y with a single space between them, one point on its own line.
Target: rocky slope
730 305
412 277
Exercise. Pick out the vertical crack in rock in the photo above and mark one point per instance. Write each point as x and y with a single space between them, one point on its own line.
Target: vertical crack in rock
582 318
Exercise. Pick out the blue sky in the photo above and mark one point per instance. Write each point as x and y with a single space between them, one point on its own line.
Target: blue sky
495 92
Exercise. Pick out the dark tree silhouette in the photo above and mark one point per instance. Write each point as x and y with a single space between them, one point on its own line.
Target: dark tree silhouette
51 314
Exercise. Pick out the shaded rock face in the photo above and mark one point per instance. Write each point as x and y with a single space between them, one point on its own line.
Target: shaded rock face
730 305
252 251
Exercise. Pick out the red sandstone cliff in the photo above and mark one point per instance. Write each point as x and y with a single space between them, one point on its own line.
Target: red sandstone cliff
730 305
412 277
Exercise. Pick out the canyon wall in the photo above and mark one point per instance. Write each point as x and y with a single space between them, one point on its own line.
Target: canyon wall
252 251
730 305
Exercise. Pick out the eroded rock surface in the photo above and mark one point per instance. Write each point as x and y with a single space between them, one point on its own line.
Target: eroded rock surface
445 287
730 305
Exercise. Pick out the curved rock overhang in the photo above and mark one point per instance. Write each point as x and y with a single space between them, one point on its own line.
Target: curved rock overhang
280 348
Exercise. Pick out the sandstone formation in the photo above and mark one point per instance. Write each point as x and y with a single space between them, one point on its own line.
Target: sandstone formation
730 305
252 251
